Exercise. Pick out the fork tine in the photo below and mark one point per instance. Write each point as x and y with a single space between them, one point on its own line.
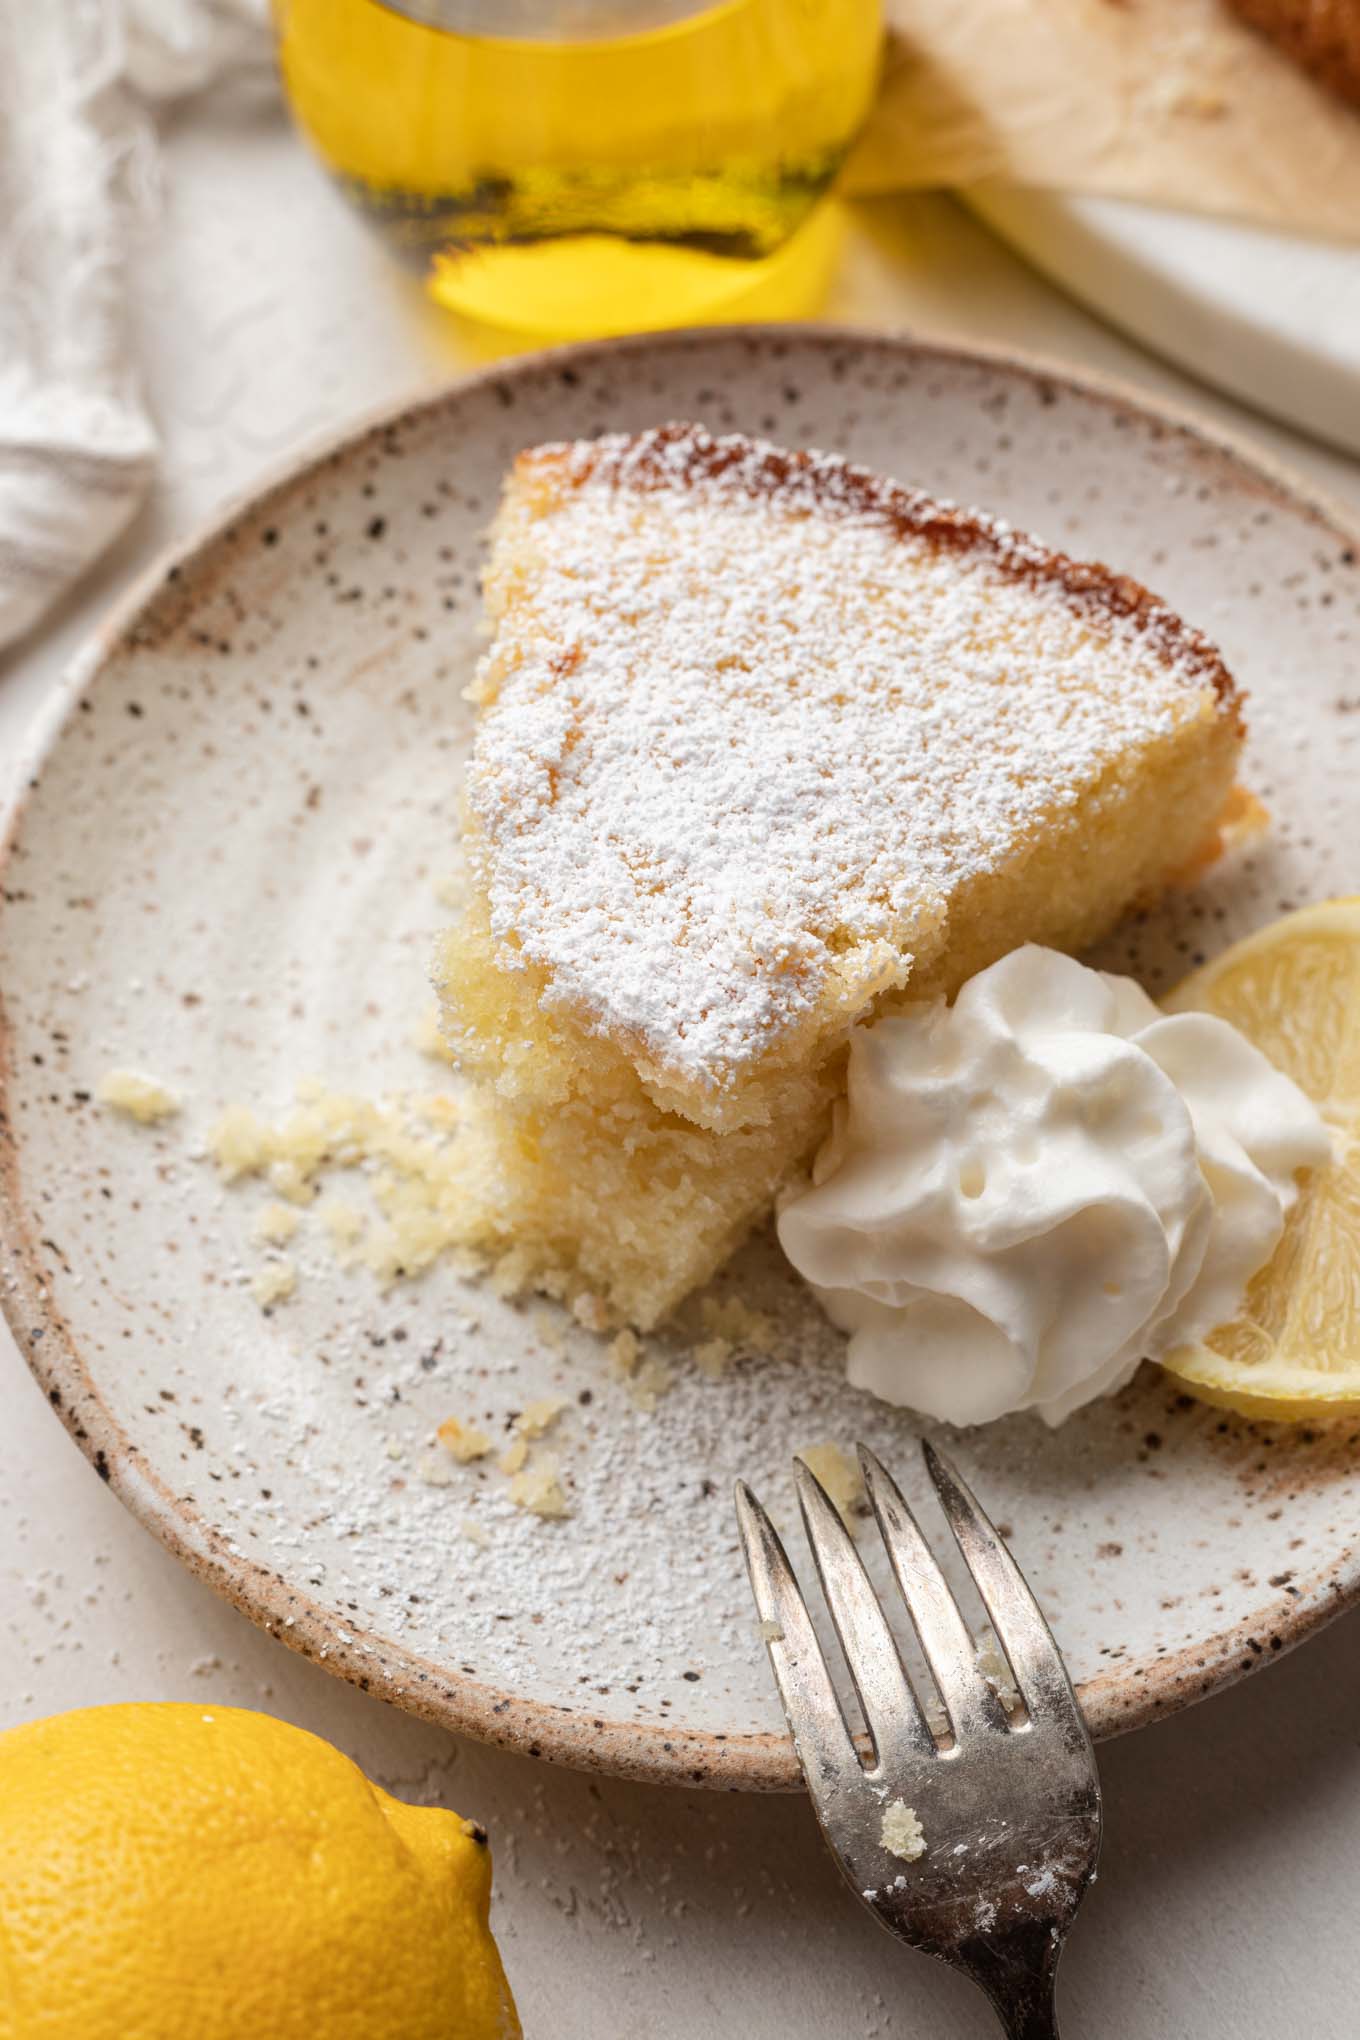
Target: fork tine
1017 1619
830 1761
972 1706
892 1713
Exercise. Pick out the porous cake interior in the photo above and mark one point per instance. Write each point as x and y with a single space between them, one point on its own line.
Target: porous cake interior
763 743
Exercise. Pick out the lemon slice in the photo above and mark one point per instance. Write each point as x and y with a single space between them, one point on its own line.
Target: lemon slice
1293 1350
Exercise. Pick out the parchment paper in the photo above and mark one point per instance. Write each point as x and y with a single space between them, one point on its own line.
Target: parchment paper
1174 102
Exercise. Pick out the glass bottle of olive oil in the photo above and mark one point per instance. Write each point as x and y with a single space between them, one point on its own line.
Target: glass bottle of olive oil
562 167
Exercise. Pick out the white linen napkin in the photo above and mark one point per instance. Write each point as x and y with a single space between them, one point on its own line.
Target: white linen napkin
78 83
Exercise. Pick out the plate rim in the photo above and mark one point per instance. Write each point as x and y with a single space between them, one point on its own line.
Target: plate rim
1116 1701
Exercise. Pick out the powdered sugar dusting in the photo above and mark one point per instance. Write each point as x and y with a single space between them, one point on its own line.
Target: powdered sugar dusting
751 718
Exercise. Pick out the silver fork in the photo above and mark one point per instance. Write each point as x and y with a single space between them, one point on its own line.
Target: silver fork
1009 1805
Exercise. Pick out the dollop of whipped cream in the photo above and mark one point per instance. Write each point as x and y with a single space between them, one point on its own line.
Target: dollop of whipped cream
1026 1193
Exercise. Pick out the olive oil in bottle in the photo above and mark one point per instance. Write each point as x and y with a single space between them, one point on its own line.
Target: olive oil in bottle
562 167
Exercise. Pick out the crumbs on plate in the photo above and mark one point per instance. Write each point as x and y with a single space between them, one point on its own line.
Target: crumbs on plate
137 1096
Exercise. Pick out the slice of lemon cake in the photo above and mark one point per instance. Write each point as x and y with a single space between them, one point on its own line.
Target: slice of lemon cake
765 740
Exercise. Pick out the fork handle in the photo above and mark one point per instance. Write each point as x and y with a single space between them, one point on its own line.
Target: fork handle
1020 1977
1032 2019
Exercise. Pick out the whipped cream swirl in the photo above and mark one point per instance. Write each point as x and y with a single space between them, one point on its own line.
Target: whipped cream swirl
1027 1192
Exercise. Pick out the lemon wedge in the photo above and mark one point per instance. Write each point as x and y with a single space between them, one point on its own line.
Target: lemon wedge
1293 1350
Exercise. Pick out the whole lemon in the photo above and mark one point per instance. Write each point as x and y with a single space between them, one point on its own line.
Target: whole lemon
205 1873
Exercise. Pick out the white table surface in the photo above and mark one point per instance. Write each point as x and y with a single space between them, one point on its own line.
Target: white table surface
1226 1902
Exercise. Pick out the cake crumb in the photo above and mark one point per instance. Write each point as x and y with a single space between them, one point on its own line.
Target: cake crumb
426 1037
435 1469
994 1669
514 1456
344 1226
464 1442
137 1097
439 1110
623 1353
901 1833
539 1489
474 1533
645 1377
590 1310
274 1283
838 1474
738 1324
549 1331
512 1274
291 1180
239 1142
540 1416
649 1381
275 1224
712 1356
770 1632
407 1147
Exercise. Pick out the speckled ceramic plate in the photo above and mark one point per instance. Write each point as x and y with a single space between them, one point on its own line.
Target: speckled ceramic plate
224 871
